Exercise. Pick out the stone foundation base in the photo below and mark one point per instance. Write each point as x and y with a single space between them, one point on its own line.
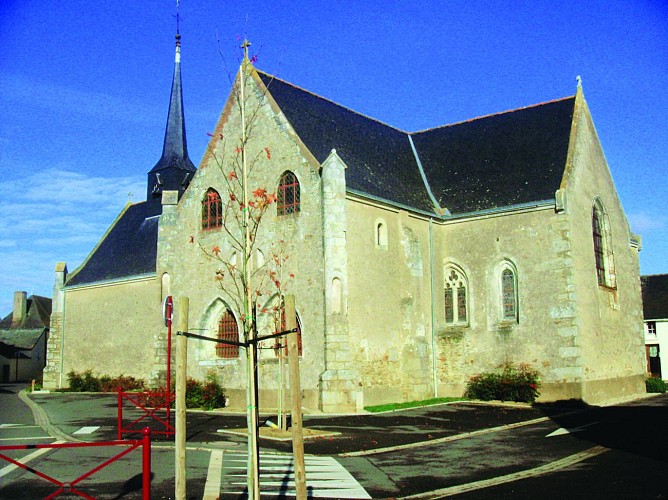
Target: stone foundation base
340 392
236 400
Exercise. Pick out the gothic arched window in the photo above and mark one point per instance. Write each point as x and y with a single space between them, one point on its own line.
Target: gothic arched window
288 196
227 330
212 210
605 266
508 294
455 296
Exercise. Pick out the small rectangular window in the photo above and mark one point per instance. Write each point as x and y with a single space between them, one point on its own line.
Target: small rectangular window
651 327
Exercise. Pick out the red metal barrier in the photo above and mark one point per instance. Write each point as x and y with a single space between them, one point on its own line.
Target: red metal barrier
69 487
151 403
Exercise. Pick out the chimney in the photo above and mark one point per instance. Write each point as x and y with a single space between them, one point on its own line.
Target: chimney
20 308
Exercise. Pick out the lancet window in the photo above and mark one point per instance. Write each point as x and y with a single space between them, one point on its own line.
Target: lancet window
229 331
288 195
455 296
212 210
605 265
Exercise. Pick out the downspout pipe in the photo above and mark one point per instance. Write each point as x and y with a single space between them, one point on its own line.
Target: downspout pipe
433 308
62 341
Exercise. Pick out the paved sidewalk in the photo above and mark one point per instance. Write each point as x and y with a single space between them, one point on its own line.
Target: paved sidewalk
479 450
356 434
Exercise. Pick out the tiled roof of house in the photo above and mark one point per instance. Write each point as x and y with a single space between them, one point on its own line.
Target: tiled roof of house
25 335
38 314
128 249
654 296
490 162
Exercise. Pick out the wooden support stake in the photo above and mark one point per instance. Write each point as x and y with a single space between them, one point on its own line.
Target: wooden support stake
181 374
297 431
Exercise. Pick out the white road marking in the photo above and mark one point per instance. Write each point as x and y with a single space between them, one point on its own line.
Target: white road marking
32 438
9 468
447 439
325 477
213 476
515 476
86 430
561 430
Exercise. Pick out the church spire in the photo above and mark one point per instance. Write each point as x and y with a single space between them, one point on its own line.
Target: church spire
174 170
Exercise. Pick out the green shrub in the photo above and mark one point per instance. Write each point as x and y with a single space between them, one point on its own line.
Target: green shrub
507 383
655 385
207 395
87 382
125 382
83 382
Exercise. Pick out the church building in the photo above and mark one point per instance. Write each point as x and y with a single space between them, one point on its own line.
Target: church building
417 259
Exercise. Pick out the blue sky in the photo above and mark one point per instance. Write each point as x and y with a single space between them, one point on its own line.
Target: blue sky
84 89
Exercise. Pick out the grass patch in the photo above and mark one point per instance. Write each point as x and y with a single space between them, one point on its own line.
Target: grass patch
410 404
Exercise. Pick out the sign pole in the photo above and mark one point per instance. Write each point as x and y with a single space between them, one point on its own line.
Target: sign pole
181 373
169 308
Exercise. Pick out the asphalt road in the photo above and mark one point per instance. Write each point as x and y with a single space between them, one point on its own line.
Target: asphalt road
462 450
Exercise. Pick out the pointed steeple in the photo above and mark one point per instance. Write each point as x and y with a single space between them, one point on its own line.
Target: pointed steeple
174 170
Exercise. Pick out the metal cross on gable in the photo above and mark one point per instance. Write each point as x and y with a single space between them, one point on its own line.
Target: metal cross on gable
178 17
245 46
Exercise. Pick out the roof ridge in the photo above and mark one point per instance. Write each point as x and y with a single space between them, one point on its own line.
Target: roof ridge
508 111
331 101
421 130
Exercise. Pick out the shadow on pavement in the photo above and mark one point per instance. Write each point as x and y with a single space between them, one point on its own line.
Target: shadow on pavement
634 427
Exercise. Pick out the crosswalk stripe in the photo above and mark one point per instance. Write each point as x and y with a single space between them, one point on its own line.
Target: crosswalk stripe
86 430
213 476
325 477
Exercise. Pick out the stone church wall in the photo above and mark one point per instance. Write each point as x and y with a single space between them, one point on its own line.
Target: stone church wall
391 333
112 328
535 244
389 302
192 273
609 320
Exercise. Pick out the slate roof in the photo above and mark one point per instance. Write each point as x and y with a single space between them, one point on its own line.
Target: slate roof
129 249
26 335
500 160
496 161
379 157
654 296
174 170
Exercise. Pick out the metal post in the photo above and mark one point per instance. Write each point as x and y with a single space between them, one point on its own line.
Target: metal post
168 320
295 386
146 464
120 413
181 374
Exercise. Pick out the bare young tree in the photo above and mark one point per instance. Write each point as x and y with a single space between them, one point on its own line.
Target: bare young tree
245 277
